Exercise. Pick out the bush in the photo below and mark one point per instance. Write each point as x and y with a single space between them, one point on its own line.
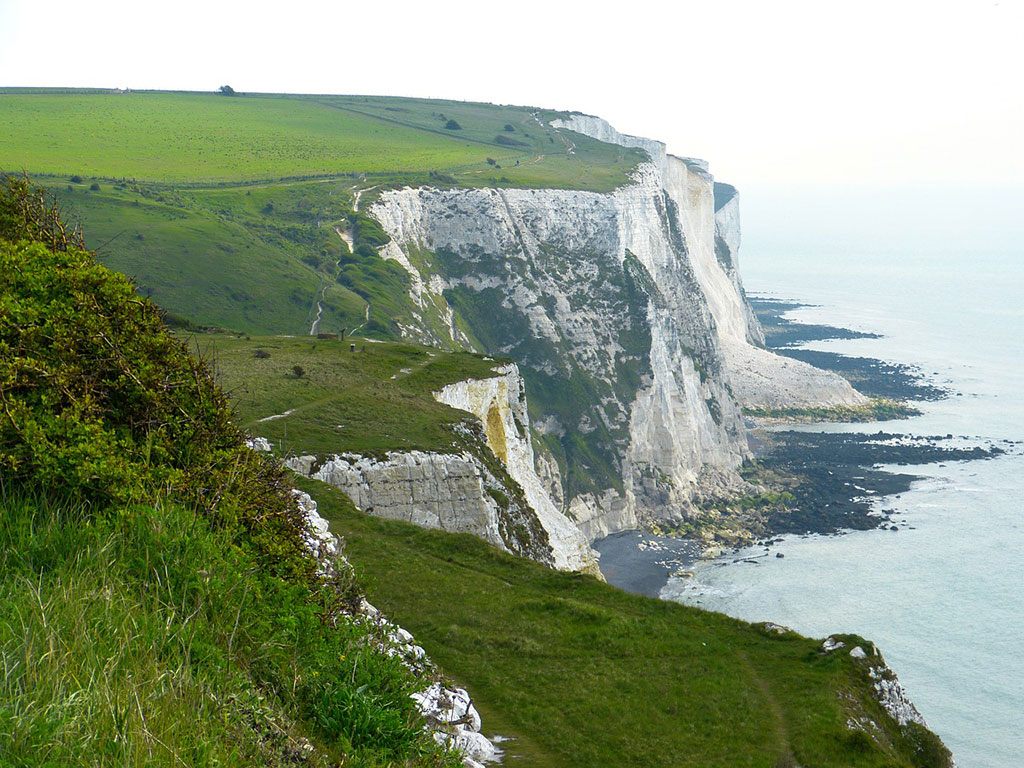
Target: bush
94 187
102 405
452 125
508 141
76 179
509 127
299 371
261 354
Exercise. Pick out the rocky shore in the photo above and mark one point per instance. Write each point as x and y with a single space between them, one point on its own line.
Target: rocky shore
831 481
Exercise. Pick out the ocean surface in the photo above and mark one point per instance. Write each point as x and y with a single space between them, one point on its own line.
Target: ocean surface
941 274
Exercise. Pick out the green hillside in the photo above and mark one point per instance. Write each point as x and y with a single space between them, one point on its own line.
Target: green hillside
582 674
227 209
194 138
373 400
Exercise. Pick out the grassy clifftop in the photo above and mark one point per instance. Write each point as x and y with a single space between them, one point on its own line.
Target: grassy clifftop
226 210
196 138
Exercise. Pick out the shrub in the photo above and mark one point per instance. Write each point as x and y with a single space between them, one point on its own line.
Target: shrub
299 371
94 187
452 125
76 179
510 128
508 141
100 404
261 354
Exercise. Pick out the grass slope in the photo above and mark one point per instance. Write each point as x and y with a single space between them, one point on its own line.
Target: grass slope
583 674
212 268
195 138
370 401
154 640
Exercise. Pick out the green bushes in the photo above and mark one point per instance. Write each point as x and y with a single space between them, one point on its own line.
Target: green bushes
101 405
154 640
158 605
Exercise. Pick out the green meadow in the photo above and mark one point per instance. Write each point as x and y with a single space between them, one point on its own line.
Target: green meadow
370 401
195 138
579 673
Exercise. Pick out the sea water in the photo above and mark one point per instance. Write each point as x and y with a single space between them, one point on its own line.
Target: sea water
941 275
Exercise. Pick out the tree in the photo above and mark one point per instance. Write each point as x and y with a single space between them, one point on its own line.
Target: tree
227 90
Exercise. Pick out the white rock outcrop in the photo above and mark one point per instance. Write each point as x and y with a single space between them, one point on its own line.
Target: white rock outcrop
454 492
499 402
447 709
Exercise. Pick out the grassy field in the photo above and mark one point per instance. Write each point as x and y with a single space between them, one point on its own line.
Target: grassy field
193 138
583 674
368 401
211 268
174 137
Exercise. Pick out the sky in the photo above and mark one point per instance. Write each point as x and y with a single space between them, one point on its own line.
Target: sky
785 92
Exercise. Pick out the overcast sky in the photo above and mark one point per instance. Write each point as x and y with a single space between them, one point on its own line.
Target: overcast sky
897 92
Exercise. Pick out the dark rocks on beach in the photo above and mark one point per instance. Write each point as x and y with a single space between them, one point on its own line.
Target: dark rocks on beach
836 476
871 377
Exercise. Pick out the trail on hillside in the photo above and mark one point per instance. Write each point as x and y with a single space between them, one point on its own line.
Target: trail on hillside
315 327
781 731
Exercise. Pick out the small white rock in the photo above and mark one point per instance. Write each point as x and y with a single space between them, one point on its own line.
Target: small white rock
831 644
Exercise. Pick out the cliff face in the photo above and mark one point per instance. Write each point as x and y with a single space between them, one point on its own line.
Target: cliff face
626 314
500 405
491 489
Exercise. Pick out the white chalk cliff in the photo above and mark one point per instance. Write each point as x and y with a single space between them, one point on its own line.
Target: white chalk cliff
626 315
499 403
503 503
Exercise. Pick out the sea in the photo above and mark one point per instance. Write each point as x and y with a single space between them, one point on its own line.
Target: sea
940 273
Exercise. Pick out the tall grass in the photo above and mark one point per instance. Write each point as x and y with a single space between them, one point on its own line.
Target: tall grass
151 640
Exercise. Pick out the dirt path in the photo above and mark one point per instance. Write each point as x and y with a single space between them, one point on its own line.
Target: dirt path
780 729
359 194
358 327
346 235
319 310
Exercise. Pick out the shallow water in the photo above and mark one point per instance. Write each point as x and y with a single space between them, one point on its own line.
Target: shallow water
944 596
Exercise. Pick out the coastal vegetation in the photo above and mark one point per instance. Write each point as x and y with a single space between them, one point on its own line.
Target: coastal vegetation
877 409
580 673
158 603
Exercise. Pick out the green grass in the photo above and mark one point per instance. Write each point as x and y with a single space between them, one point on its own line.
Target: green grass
186 137
583 674
150 639
190 138
369 401
216 269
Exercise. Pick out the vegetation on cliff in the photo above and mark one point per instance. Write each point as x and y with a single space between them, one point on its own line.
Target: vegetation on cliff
584 674
158 605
